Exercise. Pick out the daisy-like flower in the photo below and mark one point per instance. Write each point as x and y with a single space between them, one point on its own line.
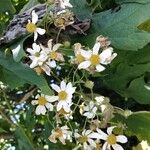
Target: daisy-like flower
90 110
87 139
36 56
79 58
111 139
32 28
43 102
64 4
62 134
94 59
64 96
52 51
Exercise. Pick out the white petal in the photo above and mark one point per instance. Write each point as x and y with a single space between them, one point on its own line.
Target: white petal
66 107
110 129
49 43
15 51
94 135
51 98
106 54
86 54
84 65
121 139
56 47
52 64
34 17
87 132
55 87
40 110
96 48
100 68
46 69
59 105
34 102
40 31
31 51
92 143
117 147
106 146
49 106
63 85
35 36
34 63
36 47
102 135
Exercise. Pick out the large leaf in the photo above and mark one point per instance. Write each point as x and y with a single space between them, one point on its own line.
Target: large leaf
120 26
138 124
18 71
29 5
131 1
6 6
128 74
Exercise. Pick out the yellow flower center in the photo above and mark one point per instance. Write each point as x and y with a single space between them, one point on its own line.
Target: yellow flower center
42 100
80 58
53 55
59 132
59 22
62 95
38 70
83 139
111 139
95 59
31 27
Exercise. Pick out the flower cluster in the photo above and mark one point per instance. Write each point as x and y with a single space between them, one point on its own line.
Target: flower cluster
66 101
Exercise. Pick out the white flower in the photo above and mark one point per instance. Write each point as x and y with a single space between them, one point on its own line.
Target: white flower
94 59
43 102
90 110
64 4
32 28
87 139
61 133
79 58
36 56
51 51
111 139
64 97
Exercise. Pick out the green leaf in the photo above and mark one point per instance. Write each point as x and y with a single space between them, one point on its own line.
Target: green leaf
18 51
139 90
29 5
22 72
82 10
23 140
2 130
137 124
6 6
132 1
121 26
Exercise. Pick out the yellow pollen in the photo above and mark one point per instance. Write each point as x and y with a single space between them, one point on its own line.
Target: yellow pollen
95 60
62 95
111 139
80 58
59 22
59 132
42 100
53 55
39 70
31 27
83 139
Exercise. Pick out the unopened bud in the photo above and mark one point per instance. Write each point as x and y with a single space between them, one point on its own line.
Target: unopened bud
89 84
